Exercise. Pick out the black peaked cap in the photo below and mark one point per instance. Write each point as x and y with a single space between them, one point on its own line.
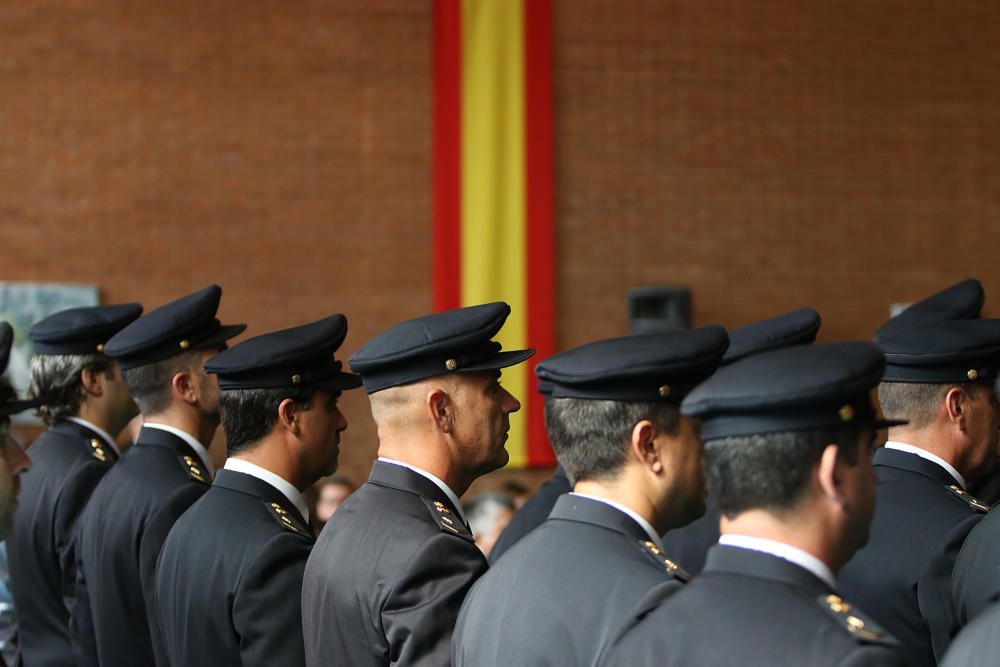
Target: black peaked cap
6 345
961 301
81 330
945 352
798 327
453 341
187 323
805 387
648 367
299 356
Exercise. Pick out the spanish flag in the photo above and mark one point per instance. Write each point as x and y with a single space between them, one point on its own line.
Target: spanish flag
493 230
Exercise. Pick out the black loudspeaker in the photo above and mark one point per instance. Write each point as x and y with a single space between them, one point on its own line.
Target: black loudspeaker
656 309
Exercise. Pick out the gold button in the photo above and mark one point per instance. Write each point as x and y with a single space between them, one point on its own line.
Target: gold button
855 622
94 442
665 391
846 413
185 344
973 374
296 378
100 347
451 364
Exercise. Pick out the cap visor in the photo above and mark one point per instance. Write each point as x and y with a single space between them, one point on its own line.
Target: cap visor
222 334
502 360
340 382
13 407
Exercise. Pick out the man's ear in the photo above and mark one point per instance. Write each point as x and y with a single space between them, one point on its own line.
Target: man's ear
643 445
954 405
441 409
93 381
288 416
828 473
185 386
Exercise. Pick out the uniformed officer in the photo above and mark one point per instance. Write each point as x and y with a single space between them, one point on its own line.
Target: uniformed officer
86 405
234 561
788 434
537 508
557 597
690 544
939 377
13 460
123 527
390 570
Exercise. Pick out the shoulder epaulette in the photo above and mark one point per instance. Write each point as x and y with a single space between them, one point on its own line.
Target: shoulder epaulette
98 452
660 558
447 520
193 469
282 516
861 627
968 498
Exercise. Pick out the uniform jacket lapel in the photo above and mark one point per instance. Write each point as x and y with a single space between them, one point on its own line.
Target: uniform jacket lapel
586 510
736 560
243 483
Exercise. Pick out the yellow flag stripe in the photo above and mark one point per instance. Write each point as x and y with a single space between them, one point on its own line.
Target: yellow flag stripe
493 179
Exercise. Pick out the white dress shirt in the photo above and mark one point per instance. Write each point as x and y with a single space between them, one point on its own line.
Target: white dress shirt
654 537
104 435
783 551
277 481
437 482
924 454
198 448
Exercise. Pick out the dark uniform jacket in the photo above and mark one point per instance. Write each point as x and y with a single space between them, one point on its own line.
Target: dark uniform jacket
388 574
690 544
751 609
559 595
121 533
978 644
902 577
67 462
531 515
976 576
229 580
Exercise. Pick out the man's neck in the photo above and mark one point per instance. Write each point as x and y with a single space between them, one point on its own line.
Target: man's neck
187 420
99 418
272 457
931 440
792 530
623 494
430 459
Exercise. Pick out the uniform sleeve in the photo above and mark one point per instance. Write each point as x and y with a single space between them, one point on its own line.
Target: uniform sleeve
934 589
420 612
81 622
153 537
267 614
72 499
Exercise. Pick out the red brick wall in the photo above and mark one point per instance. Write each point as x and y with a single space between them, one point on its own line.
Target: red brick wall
769 155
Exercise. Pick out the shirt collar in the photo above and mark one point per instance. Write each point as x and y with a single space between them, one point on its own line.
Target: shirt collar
104 435
646 525
924 454
278 482
198 448
437 482
784 551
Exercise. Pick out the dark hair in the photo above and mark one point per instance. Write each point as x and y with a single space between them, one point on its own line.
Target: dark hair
7 391
249 414
590 437
917 402
56 380
769 471
150 384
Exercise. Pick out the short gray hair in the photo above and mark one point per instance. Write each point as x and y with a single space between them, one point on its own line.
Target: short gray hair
589 437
